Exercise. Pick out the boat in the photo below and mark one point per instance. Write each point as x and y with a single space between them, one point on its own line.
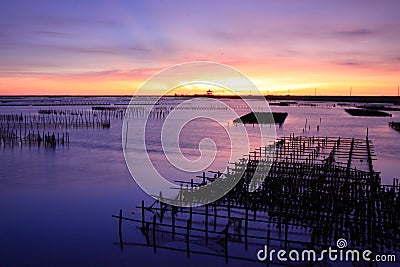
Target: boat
379 107
362 112
262 118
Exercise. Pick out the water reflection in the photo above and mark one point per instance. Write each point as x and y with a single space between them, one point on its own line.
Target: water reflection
312 197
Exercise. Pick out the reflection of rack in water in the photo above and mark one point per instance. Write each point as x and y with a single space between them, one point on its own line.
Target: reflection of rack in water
311 197
210 227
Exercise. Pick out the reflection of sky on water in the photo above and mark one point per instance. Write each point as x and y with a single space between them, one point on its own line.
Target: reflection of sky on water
56 205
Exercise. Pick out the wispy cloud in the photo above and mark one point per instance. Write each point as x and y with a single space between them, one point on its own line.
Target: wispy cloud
350 63
112 74
356 33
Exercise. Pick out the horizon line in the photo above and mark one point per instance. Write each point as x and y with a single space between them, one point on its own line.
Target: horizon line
195 95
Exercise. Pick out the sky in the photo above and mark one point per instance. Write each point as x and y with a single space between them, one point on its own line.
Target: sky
109 47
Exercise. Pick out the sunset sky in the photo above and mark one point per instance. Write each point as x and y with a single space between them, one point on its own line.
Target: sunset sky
112 47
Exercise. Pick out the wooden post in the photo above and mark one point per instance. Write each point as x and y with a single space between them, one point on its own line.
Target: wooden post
215 216
246 224
173 224
206 224
154 234
180 194
121 244
286 234
268 243
188 225
226 244
191 199
142 213
229 207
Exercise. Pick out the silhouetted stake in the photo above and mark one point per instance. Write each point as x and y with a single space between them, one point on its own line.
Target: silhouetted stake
215 216
246 224
206 224
229 207
280 219
173 225
188 225
226 244
160 199
181 195
268 244
120 230
154 234
286 235
350 156
371 168
143 221
192 199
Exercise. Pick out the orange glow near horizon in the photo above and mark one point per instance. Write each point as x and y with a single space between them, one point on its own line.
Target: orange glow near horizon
62 86
280 80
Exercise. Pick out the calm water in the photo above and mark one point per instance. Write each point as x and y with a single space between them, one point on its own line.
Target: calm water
56 204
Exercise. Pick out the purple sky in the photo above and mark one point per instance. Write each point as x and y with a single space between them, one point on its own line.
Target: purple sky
270 40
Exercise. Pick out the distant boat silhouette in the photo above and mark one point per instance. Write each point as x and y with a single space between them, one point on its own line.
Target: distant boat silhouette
262 118
367 112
